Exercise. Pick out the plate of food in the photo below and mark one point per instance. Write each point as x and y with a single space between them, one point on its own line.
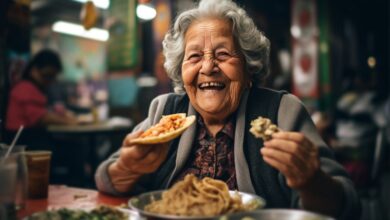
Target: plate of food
167 129
101 212
194 198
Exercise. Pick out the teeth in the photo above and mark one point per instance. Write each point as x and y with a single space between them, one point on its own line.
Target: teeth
211 84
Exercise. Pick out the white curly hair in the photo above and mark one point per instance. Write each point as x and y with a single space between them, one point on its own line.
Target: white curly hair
252 43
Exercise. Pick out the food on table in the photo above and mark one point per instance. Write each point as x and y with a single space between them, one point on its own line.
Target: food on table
199 198
263 128
79 196
99 213
168 128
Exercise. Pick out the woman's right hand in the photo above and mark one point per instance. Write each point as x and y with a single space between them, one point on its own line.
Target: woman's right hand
141 159
134 161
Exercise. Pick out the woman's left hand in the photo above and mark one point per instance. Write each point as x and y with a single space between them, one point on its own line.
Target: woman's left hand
294 156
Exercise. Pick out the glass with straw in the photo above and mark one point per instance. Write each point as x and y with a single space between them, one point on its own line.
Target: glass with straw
13 178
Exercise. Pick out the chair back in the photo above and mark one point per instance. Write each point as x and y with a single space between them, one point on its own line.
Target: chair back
379 154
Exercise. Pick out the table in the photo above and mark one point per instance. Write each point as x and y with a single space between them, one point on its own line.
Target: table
112 125
61 196
114 128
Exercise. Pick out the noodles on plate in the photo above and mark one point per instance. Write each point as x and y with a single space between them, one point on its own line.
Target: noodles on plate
194 197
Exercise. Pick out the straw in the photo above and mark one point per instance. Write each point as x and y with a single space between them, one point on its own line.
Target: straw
13 142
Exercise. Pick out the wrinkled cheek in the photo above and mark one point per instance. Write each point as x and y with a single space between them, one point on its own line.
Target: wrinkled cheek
233 70
236 91
238 77
191 92
189 73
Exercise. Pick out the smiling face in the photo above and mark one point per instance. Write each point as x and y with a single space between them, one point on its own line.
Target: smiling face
212 70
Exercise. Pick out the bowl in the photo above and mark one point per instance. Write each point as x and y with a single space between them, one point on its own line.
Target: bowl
276 214
139 202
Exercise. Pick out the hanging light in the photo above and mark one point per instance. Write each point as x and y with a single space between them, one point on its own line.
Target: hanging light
78 30
371 61
146 11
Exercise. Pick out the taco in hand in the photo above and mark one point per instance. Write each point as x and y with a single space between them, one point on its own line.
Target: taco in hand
167 129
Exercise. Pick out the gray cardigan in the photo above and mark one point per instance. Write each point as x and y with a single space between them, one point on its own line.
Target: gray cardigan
289 109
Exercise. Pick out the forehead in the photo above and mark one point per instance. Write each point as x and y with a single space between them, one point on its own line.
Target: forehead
209 29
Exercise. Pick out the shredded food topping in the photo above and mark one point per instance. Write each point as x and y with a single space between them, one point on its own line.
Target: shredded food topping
166 124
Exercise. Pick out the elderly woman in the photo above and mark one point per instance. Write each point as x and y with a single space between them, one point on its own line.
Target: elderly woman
216 56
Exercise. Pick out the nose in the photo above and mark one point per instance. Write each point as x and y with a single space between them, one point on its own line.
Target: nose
208 66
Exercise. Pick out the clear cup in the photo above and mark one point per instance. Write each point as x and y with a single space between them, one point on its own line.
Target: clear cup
17 154
8 174
38 163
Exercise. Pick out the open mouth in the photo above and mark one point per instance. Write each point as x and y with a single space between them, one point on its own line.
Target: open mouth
211 86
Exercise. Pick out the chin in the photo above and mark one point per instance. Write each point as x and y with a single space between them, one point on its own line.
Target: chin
212 107
217 111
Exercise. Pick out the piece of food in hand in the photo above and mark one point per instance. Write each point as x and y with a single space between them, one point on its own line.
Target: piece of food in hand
263 128
168 128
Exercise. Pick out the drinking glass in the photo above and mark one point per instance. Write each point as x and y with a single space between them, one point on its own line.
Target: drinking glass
17 154
8 173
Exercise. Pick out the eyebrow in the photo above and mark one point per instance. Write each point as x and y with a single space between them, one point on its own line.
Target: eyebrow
220 44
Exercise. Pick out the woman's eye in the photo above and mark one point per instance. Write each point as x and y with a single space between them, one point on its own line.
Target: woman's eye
194 57
223 55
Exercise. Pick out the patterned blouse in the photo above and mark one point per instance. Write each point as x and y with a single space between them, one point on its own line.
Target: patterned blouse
213 157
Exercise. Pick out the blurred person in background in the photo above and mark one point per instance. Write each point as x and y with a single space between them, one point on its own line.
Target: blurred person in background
217 58
28 104
360 114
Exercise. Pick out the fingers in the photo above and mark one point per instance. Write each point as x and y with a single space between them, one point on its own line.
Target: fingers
154 155
291 160
136 152
141 158
151 161
295 156
296 137
288 171
288 147
129 137
296 176
296 148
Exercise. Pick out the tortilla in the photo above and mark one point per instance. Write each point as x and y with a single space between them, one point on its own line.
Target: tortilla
147 137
